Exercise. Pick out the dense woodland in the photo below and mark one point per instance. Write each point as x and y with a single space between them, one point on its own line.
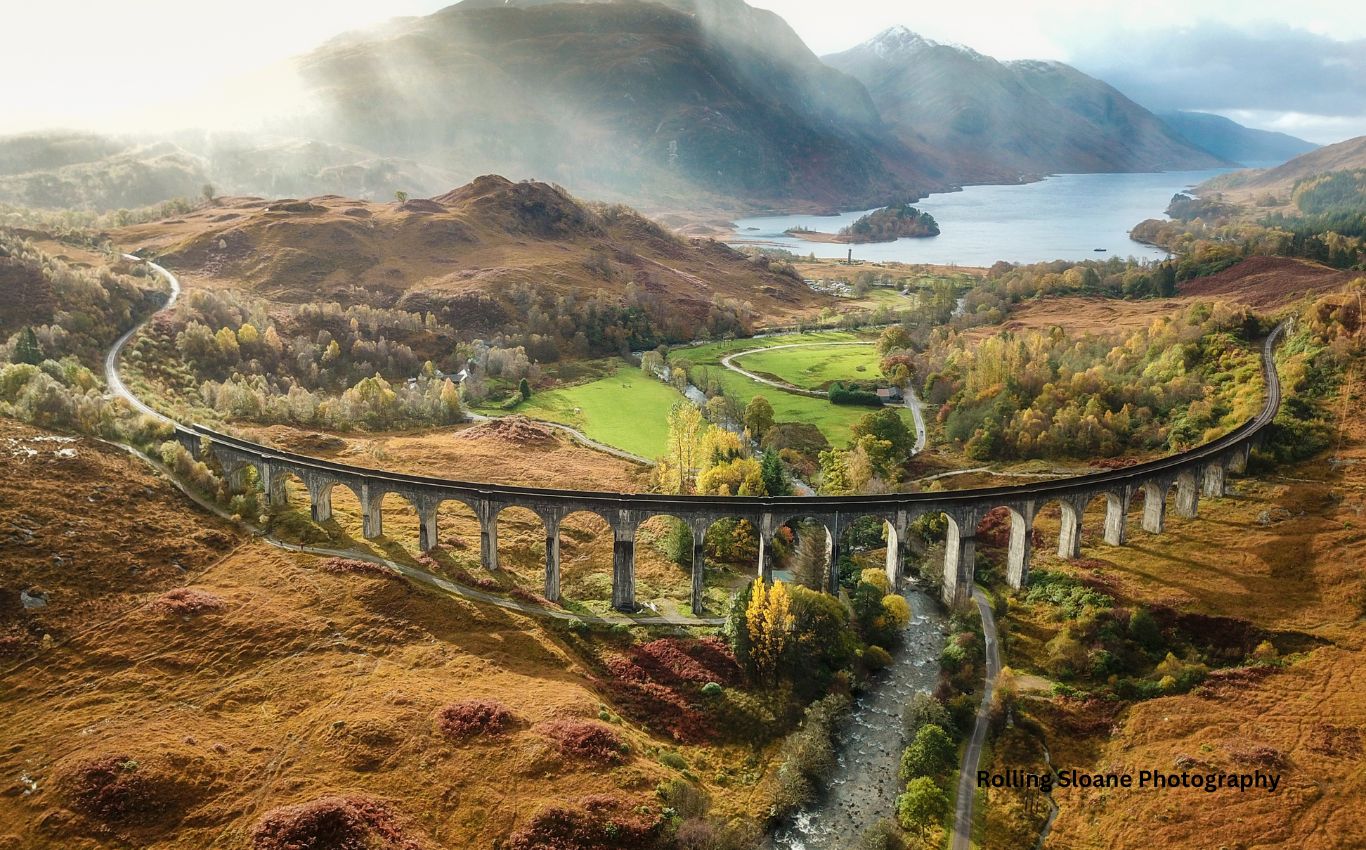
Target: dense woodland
57 323
1172 385
1209 235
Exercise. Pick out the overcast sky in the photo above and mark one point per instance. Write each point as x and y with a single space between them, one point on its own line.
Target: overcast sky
1295 66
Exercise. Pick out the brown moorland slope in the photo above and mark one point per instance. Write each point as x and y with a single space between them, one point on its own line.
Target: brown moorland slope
68 503
1268 282
1262 283
1254 183
268 699
460 253
1279 559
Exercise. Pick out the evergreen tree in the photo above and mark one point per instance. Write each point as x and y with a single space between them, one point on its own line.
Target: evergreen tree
524 388
776 481
27 349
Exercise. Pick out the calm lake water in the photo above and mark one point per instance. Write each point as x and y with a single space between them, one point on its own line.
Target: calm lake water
1065 217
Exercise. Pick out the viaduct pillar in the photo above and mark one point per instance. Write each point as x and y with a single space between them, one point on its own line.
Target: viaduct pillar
1216 482
1021 544
1116 517
426 518
1155 505
551 520
1069 532
488 533
699 567
1187 495
320 498
372 518
960 557
624 562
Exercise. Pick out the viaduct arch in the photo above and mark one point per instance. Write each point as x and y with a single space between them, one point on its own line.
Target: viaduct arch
1201 471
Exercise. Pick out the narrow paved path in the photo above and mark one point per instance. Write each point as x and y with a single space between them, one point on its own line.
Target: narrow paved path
729 362
967 775
916 407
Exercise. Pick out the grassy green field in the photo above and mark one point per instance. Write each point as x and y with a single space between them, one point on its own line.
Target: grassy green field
711 353
815 368
833 420
625 409
628 410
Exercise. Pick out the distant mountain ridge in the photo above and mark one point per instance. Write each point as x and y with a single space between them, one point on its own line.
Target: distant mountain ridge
1230 140
615 97
690 109
982 120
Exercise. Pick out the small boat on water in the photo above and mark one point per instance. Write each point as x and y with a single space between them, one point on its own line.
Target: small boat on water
1099 250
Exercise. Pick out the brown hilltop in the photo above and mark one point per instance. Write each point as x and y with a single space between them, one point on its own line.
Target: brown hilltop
1256 184
1269 282
460 252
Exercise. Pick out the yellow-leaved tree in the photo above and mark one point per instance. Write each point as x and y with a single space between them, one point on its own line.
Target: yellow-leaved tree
770 623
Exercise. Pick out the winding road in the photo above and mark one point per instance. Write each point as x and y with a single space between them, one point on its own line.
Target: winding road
111 360
967 774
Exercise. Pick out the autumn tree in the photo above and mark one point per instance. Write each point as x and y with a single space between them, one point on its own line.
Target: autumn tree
652 363
677 472
924 804
770 623
736 477
894 338
758 417
450 401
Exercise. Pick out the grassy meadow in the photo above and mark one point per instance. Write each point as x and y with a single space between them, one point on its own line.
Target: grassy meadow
815 368
628 410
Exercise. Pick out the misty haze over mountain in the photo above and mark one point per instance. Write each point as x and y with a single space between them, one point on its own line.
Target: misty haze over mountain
695 104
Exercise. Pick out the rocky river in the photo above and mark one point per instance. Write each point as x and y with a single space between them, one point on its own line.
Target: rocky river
864 786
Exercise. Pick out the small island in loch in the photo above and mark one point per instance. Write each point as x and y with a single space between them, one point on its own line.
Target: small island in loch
885 225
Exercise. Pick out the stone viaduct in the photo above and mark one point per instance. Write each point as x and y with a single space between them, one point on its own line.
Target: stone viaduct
1202 471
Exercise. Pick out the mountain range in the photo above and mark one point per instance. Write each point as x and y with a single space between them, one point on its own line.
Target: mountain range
672 105
1230 140
674 99
984 120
